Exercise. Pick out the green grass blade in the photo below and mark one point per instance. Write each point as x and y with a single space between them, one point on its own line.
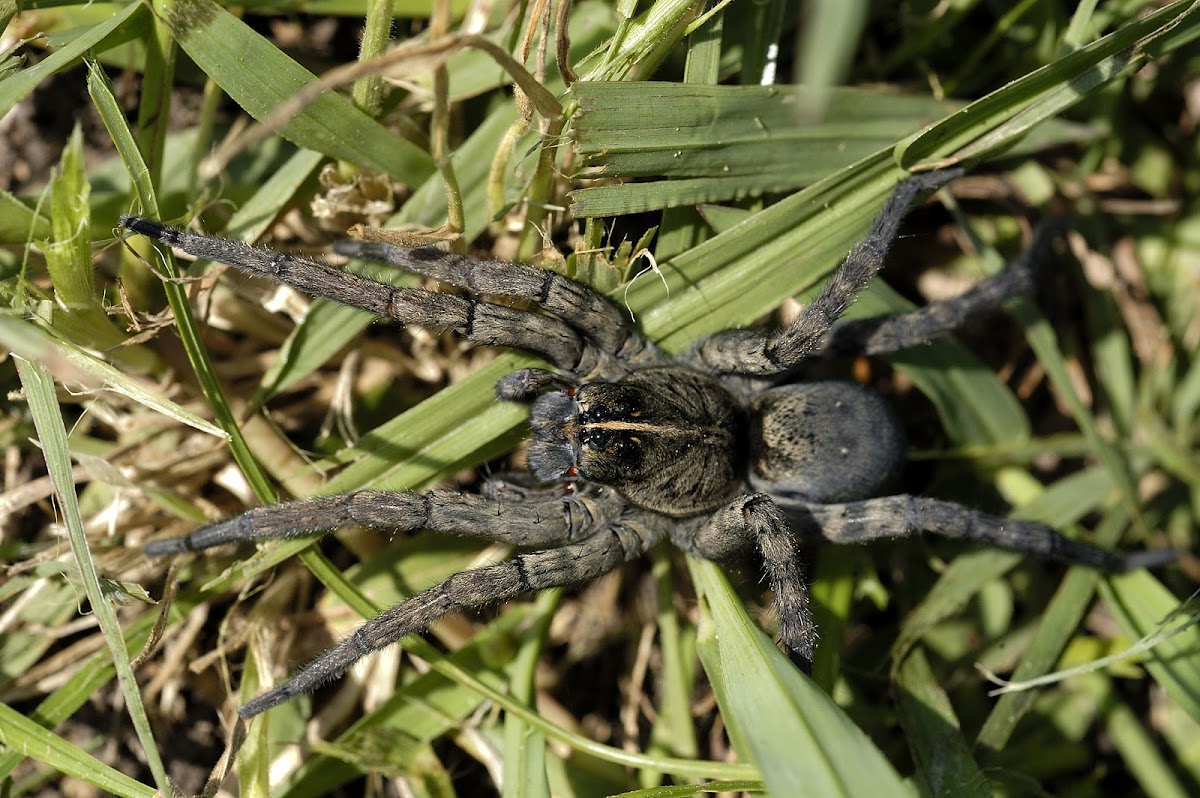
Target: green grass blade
19 733
1138 746
114 121
1141 603
259 77
70 363
997 121
19 223
16 87
43 406
524 745
943 757
801 741
716 143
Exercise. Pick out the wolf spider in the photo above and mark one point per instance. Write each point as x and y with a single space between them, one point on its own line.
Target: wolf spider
710 449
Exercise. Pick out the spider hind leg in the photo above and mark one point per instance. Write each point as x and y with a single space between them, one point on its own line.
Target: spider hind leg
905 516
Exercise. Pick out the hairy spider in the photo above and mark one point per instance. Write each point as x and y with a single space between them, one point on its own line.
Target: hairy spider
710 449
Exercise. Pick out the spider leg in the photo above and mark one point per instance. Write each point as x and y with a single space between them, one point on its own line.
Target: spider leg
754 520
903 516
482 322
589 313
883 334
578 562
541 521
524 385
759 353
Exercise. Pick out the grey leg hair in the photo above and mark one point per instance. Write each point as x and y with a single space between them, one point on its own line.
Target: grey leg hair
903 516
587 311
884 334
758 353
543 521
481 322
604 551
756 521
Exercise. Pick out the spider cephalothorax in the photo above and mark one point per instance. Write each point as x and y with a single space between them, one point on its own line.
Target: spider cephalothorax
713 449
667 438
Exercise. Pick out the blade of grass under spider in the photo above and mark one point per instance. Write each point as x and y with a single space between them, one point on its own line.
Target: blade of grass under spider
800 739
714 143
673 732
19 733
254 754
52 435
525 746
943 757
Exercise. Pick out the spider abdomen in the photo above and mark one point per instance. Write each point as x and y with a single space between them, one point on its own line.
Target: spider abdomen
828 441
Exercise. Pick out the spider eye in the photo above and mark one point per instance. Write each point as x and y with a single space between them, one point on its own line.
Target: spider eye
626 445
617 444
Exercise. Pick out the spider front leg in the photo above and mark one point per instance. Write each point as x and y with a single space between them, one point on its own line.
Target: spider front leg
593 316
541 521
904 516
755 521
562 344
768 354
603 551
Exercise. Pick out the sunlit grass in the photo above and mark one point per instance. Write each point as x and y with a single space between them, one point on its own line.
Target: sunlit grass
1080 413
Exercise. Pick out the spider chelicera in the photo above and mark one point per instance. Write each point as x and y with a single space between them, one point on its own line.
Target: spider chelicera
713 449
